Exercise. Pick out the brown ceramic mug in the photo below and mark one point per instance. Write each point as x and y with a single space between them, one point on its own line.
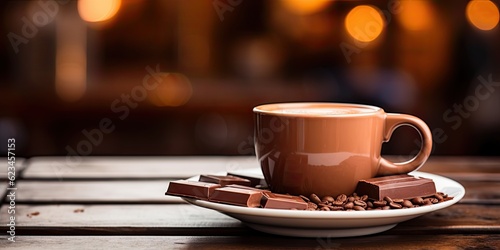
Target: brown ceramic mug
326 148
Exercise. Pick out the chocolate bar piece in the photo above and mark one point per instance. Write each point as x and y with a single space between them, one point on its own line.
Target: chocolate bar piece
249 188
237 196
193 189
283 201
224 180
254 181
396 187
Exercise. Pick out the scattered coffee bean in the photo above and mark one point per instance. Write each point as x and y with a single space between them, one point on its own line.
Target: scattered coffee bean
338 203
349 205
324 209
442 194
395 205
417 200
360 203
380 203
407 203
314 198
364 197
358 208
328 199
397 200
388 199
369 204
439 197
342 198
304 198
322 204
448 198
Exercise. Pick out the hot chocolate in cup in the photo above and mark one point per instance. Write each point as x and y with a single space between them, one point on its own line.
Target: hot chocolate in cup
326 148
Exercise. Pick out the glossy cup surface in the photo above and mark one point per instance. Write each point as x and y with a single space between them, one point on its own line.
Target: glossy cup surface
321 148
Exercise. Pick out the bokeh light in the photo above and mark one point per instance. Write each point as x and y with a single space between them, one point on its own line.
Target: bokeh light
364 23
305 7
173 90
482 14
98 10
416 15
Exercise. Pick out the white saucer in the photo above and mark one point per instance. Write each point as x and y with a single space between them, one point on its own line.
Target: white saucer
331 223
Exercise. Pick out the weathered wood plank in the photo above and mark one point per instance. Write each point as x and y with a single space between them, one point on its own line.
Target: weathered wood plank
157 219
172 215
383 241
477 192
95 192
133 167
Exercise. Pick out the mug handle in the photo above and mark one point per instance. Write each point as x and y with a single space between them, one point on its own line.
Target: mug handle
392 122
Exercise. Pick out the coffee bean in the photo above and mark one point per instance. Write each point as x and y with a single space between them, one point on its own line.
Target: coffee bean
312 205
380 203
358 208
360 203
397 200
439 197
323 204
388 199
407 203
349 205
324 209
314 198
351 199
355 196
337 203
369 204
304 198
342 198
427 202
336 208
386 207
328 199
364 197
417 201
442 194
395 205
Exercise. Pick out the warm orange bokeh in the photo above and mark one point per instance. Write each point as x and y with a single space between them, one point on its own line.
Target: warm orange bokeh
174 90
483 14
364 23
305 7
98 10
416 15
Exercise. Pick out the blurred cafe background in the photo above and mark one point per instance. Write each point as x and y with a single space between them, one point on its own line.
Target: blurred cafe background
177 77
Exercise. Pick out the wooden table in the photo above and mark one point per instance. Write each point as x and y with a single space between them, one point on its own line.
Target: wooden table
116 202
